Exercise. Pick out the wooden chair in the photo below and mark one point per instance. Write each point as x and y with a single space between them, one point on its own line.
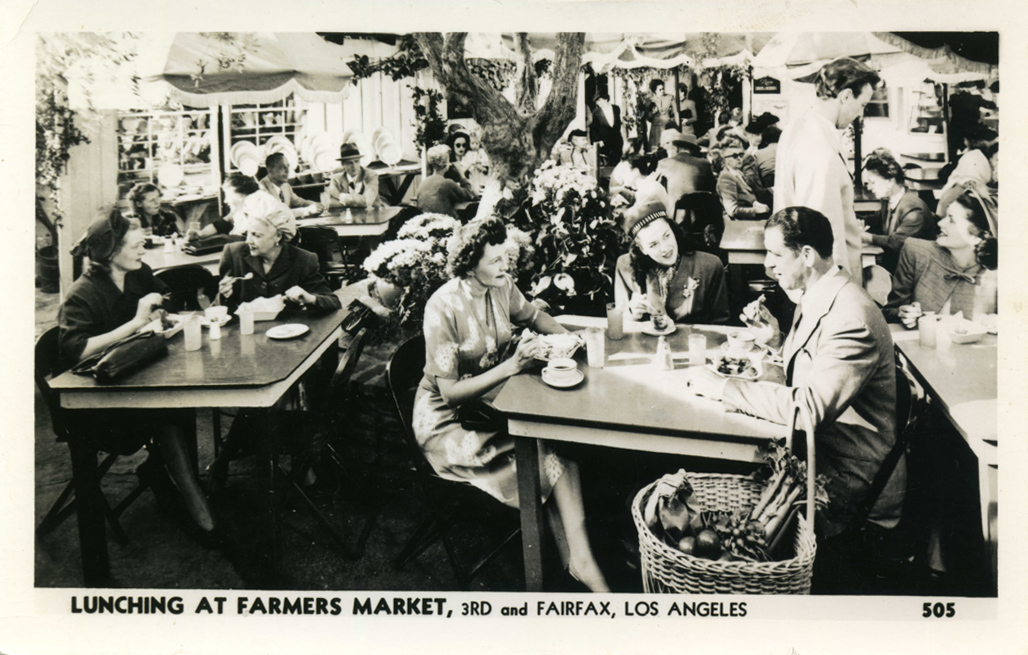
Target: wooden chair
320 427
403 374
83 494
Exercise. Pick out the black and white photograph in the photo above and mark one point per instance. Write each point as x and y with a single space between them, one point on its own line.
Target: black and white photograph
524 336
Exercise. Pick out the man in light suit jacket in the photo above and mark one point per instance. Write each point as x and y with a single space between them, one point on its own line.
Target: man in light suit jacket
811 170
839 365
276 182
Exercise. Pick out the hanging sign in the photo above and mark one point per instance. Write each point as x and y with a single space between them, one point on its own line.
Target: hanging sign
767 85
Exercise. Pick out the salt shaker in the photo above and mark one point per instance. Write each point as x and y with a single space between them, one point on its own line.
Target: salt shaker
215 330
662 360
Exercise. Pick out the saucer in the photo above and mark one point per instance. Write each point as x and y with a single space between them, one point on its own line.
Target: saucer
206 322
579 376
287 331
653 332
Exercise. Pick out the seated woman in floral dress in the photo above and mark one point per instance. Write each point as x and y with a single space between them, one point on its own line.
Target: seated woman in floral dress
469 324
663 271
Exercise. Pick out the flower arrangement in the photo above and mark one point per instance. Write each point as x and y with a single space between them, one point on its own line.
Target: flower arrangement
576 238
414 264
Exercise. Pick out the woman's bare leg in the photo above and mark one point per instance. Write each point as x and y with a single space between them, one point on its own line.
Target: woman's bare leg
172 446
582 564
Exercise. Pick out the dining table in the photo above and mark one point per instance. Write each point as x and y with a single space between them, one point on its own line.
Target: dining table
252 371
394 181
353 221
160 259
628 403
744 243
962 382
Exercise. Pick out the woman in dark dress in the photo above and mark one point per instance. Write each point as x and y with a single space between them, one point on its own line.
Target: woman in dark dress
277 267
113 299
145 199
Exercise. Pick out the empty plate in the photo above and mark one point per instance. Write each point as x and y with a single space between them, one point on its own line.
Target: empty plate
288 331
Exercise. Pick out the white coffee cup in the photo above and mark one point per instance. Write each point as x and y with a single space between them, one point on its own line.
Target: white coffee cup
741 341
562 369
216 313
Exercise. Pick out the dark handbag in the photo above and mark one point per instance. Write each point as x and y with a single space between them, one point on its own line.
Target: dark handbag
479 416
207 245
123 358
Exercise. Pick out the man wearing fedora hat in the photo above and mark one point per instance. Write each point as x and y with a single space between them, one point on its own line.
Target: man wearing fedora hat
683 170
354 186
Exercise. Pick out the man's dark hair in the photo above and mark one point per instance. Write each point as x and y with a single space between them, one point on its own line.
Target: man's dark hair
844 73
274 158
803 226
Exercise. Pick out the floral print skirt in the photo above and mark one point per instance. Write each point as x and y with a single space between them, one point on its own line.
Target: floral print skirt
483 459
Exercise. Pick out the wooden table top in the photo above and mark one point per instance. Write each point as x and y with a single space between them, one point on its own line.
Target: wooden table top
629 394
360 221
749 235
232 362
158 259
961 378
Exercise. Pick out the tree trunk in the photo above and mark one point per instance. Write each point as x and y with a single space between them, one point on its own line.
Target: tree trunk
517 138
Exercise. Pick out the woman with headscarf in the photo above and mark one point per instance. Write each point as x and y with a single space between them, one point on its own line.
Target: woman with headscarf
112 300
277 266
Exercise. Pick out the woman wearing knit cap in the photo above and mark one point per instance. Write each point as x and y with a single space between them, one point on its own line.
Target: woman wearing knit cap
277 267
663 271
113 299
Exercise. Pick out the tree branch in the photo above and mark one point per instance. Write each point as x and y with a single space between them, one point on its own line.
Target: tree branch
527 89
559 109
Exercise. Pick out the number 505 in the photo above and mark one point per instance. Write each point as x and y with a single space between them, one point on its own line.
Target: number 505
939 610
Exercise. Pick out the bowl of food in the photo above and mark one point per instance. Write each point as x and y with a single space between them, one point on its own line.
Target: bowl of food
166 325
732 366
964 331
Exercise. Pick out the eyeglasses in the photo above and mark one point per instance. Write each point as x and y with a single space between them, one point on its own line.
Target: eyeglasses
737 155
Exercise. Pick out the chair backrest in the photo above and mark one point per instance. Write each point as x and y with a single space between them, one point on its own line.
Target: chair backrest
192 287
47 358
878 283
695 211
403 374
348 362
321 241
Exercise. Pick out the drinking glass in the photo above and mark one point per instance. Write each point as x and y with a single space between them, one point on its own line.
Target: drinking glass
615 322
246 323
697 349
193 330
595 347
927 328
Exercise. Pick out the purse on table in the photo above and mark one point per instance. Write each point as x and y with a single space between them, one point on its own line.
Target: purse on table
123 358
213 243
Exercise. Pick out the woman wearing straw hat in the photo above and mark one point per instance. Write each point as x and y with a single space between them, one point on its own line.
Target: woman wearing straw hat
664 273
355 186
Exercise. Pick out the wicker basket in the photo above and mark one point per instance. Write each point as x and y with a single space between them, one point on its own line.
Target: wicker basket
668 570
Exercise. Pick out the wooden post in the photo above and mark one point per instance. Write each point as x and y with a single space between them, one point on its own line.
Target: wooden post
90 182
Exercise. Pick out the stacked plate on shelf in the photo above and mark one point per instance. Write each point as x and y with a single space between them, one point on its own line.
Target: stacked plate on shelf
321 152
246 157
281 143
385 146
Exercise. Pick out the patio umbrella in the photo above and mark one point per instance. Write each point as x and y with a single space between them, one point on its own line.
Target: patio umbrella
206 69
